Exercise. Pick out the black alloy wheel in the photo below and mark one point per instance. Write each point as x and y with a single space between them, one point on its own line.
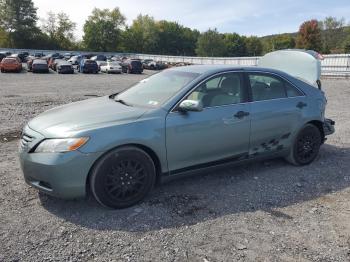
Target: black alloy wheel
306 146
122 177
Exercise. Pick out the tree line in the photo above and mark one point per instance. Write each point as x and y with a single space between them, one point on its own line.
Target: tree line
105 30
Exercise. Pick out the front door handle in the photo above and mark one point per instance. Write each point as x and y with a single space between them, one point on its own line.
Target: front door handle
301 105
241 114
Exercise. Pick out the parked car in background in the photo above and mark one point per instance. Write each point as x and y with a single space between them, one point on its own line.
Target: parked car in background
2 56
115 59
99 63
75 60
53 62
7 53
111 67
88 66
64 67
132 66
88 56
99 58
38 55
40 66
54 56
145 62
67 56
155 65
30 60
21 56
10 64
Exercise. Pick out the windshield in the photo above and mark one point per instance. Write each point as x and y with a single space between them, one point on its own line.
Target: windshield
157 89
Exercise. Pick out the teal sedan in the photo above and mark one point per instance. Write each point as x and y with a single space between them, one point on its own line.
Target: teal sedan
183 119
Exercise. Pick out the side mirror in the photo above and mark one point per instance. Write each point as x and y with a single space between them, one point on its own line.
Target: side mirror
191 105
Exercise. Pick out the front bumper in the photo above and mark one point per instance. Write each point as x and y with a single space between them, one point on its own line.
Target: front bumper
66 71
40 70
328 127
62 175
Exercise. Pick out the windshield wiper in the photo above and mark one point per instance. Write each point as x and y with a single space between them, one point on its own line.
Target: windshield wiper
113 96
122 102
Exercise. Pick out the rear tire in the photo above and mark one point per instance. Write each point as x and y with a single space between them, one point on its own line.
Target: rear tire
122 177
305 146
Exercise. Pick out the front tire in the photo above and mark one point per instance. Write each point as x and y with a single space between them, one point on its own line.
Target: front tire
122 177
306 146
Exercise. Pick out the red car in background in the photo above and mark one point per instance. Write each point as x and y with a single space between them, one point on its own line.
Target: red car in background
10 64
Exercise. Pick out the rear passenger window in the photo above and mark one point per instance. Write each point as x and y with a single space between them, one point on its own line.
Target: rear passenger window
292 91
266 87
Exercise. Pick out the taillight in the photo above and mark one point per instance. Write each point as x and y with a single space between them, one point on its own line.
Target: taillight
320 57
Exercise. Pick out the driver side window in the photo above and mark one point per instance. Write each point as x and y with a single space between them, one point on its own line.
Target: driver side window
220 90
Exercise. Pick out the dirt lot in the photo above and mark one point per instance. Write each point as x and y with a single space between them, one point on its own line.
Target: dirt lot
268 211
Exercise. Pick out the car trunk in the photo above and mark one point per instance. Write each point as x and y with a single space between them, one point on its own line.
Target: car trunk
302 64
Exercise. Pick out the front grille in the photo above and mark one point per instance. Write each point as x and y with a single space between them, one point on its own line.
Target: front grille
66 67
25 139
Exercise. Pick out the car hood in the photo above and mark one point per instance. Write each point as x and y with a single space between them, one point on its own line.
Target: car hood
83 115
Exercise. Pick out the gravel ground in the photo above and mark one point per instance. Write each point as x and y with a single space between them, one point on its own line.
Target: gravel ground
267 211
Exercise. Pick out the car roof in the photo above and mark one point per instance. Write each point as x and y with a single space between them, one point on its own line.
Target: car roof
62 61
39 61
212 69
10 58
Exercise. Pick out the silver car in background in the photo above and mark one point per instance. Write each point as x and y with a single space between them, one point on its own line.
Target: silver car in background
111 67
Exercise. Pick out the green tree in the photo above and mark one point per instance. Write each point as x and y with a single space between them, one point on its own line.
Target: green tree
347 47
283 41
235 45
346 43
189 41
171 38
142 35
254 46
211 43
18 18
60 30
4 39
103 30
309 36
331 33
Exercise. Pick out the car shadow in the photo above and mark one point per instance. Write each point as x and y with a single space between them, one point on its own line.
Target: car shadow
265 186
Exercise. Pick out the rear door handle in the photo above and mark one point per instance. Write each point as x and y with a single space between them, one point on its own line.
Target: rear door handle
301 105
241 114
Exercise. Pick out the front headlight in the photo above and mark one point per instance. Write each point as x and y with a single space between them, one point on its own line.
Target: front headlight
60 145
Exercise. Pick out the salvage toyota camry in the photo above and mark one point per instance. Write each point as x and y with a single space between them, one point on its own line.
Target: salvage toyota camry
175 121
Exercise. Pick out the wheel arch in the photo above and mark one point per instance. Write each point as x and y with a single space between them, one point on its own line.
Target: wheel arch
144 148
319 125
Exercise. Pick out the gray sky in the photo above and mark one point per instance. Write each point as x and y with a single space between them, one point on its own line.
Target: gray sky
247 17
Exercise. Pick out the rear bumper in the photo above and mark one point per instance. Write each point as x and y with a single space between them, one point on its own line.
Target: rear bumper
328 127
114 70
11 69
